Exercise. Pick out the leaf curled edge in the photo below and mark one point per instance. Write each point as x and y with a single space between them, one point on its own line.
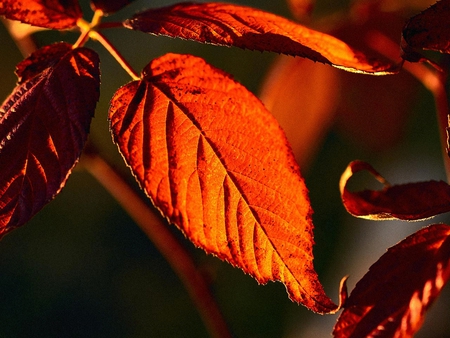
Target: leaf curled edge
250 28
43 127
217 165
391 300
411 201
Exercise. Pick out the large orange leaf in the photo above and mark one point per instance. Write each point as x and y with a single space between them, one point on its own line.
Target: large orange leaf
411 201
57 14
216 163
429 29
392 298
245 27
43 127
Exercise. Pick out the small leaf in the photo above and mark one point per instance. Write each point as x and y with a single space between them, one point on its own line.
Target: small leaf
43 127
245 27
110 6
412 201
55 14
392 298
216 163
429 29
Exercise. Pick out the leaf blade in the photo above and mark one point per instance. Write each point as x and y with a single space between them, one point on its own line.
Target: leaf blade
394 304
43 127
184 130
54 14
249 28
429 29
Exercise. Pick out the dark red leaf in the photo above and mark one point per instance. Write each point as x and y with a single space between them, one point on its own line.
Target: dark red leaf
392 298
412 201
217 164
110 6
56 14
45 57
43 127
245 27
429 29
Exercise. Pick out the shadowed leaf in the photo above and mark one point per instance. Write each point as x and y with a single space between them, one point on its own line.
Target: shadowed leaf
412 201
245 27
216 163
429 29
110 6
43 127
392 298
56 14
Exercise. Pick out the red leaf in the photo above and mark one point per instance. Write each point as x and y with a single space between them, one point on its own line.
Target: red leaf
392 298
429 29
216 164
412 201
245 27
43 128
56 14
110 6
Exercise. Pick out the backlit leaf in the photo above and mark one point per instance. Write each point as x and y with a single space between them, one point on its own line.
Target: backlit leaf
216 163
412 201
110 6
245 27
392 298
57 14
43 127
430 29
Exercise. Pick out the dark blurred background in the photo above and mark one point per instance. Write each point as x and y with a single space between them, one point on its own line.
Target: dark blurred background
82 268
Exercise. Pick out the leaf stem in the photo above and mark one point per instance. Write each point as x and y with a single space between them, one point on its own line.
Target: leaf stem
95 35
153 226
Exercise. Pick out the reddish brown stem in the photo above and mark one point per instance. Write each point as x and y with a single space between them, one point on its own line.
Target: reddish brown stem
156 229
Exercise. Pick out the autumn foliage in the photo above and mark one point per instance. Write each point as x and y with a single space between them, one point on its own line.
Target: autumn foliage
213 159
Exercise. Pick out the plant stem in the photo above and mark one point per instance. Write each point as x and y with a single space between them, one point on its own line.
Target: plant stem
115 53
156 229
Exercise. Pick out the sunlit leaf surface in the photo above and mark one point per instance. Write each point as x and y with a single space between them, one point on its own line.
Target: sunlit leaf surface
43 127
56 14
245 27
391 300
216 164
412 201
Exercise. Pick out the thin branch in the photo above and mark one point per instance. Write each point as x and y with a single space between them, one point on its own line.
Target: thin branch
156 229
115 53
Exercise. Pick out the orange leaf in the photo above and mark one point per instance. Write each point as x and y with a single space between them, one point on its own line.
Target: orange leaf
392 298
429 29
412 201
56 14
43 127
217 165
246 27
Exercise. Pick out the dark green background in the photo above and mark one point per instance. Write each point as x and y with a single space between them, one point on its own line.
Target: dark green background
82 268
